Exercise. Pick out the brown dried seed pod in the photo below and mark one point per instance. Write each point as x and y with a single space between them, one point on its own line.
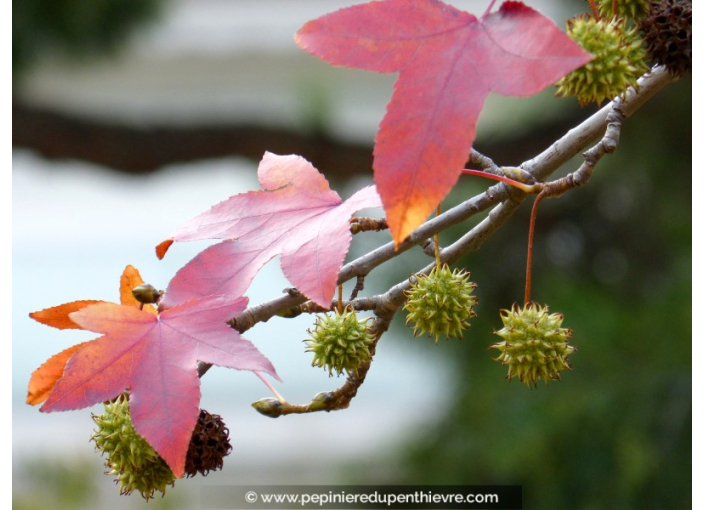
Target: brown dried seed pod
209 445
667 31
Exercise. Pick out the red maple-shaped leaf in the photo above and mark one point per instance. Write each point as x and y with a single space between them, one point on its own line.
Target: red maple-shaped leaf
155 357
295 215
448 62
43 379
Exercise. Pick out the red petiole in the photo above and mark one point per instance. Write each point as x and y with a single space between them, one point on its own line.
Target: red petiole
528 188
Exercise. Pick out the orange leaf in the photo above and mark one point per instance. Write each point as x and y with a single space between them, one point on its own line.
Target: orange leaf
58 316
129 280
156 357
44 378
163 247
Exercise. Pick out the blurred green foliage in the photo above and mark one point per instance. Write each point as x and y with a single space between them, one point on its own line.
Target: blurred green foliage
64 484
78 482
74 28
615 258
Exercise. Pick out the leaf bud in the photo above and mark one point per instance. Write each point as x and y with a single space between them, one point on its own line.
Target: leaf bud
146 293
322 401
270 407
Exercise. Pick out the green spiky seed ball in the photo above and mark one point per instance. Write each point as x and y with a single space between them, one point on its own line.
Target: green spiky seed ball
134 463
631 9
440 303
618 60
534 345
340 342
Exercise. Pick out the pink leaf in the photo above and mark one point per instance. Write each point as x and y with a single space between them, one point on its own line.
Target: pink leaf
448 62
155 357
295 215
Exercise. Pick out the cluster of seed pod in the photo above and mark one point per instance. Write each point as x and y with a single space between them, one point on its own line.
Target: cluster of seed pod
137 466
624 41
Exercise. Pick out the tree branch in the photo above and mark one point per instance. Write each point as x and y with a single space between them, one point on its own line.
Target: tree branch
142 149
546 163
506 199
138 149
587 132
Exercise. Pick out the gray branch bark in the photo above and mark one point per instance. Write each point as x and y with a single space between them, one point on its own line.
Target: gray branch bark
504 199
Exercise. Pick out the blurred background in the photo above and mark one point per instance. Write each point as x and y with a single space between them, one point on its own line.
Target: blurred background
129 119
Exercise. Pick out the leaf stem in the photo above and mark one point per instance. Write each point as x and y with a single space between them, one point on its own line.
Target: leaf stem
527 188
488 9
436 240
531 232
595 11
271 388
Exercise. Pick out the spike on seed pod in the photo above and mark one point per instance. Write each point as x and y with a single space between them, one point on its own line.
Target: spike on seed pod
440 303
134 463
618 60
630 9
210 443
534 345
340 342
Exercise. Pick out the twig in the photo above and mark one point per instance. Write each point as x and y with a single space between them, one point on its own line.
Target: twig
339 398
364 224
487 164
359 287
589 131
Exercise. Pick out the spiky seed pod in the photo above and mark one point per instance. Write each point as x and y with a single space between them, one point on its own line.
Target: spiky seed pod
134 463
440 303
631 9
667 31
340 342
210 443
534 345
618 60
